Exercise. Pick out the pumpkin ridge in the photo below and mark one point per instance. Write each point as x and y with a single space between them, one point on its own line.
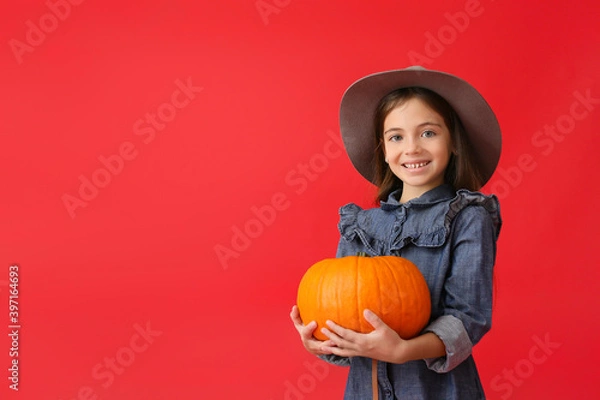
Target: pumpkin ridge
379 299
319 300
397 292
412 285
421 310
339 296
357 291
368 299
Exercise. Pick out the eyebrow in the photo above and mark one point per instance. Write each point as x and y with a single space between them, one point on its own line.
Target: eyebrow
418 126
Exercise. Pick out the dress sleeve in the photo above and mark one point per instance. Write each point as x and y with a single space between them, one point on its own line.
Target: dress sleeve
468 288
336 360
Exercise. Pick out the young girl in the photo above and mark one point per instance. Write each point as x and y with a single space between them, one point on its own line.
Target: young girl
428 140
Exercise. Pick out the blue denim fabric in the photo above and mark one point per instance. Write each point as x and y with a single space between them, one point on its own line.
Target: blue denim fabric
451 236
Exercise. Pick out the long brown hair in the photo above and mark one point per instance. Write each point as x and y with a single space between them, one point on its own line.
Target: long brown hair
461 172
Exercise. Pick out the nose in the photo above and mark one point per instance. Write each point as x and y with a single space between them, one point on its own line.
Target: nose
412 146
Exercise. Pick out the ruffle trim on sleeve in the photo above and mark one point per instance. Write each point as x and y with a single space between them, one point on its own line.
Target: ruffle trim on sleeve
466 198
348 220
355 221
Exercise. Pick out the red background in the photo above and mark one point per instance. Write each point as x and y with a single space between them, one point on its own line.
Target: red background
143 252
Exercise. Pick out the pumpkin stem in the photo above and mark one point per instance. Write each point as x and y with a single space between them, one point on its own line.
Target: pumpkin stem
362 254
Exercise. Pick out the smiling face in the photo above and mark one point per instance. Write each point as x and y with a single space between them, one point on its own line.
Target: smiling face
417 147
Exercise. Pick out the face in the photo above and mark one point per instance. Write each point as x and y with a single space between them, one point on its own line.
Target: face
417 147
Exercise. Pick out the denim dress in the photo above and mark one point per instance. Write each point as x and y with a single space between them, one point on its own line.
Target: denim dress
451 237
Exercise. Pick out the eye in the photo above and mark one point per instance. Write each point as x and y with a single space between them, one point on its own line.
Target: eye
394 138
427 134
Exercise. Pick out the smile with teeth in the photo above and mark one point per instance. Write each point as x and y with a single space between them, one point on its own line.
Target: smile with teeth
415 165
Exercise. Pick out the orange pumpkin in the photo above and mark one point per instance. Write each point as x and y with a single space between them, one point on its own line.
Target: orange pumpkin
339 289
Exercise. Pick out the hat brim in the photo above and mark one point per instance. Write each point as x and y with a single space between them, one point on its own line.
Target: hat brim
359 103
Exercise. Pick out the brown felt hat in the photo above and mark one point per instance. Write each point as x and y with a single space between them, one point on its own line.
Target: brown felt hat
359 103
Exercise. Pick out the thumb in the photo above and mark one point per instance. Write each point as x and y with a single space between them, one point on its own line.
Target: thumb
373 319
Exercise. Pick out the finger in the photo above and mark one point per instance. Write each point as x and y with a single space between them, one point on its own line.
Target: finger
338 351
295 314
373 319
310 328
336 341
328 343
332 336
306 331
340 331
316 346
295 317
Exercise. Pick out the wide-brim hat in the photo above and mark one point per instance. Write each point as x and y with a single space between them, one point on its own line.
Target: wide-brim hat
359 103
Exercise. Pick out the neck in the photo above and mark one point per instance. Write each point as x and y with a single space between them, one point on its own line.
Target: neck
410 192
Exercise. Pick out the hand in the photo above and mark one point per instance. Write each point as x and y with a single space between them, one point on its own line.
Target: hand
314 346
382 344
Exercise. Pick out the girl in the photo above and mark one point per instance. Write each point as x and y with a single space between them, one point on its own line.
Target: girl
428 141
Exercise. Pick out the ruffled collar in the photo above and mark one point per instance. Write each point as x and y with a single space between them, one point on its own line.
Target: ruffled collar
426 221
438 194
